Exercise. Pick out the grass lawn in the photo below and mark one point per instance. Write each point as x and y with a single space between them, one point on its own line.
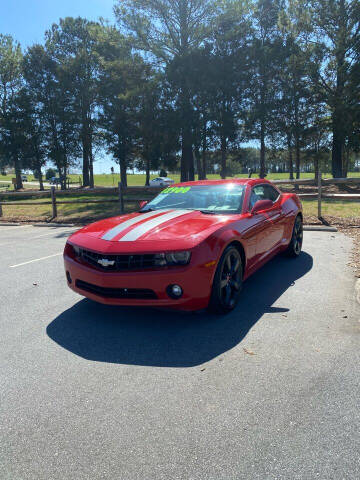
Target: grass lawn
108 180
5 180
335 208
66 212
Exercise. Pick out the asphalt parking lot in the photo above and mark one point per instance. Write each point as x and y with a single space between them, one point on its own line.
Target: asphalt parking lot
270 391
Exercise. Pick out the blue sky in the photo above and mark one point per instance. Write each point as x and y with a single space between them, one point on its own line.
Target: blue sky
27 20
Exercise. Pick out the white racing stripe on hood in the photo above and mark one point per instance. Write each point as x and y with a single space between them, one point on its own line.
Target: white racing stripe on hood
110 234
140 230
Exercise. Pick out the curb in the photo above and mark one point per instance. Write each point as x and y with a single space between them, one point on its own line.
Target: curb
357 290
10 224
50 224
3 224
319 228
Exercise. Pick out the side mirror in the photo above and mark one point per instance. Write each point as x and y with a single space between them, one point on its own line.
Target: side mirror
142 203
261 205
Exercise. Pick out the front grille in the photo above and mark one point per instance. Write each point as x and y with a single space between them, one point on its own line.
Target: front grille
121 262
135 293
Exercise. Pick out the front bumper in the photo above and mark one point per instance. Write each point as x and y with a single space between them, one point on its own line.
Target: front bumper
195 280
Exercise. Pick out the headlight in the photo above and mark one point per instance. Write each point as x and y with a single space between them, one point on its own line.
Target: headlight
173 258
178 258
72 250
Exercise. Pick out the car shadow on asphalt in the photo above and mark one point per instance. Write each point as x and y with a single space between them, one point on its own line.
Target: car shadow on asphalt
154 337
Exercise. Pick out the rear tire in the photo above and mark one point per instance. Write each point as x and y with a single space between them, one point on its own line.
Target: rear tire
227 284
295 245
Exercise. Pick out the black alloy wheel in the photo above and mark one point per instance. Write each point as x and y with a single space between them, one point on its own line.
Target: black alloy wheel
227 283
295 245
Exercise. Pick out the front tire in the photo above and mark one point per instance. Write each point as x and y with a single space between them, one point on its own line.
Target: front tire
227 284
295 245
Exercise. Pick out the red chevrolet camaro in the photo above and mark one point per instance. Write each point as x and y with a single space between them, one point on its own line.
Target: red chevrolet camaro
191 247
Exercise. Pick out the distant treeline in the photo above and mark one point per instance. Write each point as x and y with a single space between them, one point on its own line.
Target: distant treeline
185 84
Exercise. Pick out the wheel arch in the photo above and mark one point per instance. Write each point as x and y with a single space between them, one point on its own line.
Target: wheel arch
219 242
239 246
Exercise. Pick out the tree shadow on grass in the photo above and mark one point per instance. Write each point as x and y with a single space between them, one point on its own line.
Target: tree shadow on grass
154 337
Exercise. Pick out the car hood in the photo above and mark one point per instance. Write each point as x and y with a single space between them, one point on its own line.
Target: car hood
150 231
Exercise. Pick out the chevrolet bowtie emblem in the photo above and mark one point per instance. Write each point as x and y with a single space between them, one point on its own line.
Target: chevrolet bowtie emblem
104 262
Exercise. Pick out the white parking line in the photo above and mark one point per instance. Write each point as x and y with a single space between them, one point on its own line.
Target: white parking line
45 235
36 260
34 238
5 229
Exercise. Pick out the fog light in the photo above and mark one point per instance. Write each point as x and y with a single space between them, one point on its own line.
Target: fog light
174 291
68 276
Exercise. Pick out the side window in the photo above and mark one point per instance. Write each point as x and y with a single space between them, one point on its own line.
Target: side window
262 192
257 193
271 193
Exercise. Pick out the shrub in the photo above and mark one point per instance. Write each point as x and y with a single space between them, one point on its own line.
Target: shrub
50 173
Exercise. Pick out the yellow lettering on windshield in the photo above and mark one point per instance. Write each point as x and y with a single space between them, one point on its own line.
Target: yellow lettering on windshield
175 190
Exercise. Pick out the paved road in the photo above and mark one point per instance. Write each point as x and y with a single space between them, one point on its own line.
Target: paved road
46 184
92 392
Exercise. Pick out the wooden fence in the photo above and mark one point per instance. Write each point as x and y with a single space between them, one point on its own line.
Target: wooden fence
126 195
319 194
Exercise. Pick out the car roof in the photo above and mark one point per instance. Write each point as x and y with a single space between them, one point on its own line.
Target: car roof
240 181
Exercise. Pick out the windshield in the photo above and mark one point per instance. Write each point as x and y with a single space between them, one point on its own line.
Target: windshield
225 198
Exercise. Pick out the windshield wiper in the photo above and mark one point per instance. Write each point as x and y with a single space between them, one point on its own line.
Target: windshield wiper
208 212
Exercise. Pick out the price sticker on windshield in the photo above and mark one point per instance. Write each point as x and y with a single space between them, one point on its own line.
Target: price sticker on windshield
175 190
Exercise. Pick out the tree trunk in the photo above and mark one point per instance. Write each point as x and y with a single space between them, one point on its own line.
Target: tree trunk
184 162
63 177
198 163
204 151
40 179
262 150
297 157
204 163
147 166
223 156
123 176
191 166
337 147
339 119
316 167
85 152
291 166
85 165
19 183
187 159
186 156
91 168
297 139
346 162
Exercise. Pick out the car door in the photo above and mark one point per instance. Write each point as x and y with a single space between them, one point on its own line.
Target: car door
265 228
254 231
